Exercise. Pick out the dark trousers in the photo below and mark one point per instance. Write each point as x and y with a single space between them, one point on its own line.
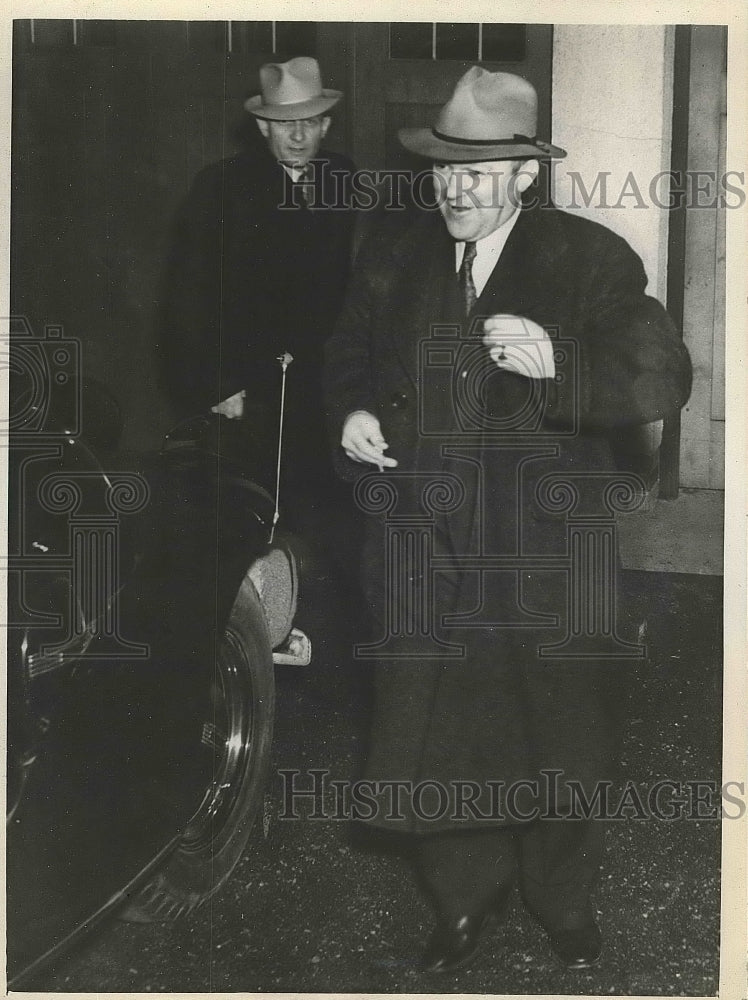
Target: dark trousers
557 862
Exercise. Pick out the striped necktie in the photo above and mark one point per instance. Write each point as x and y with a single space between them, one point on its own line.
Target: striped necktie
306 179
465 277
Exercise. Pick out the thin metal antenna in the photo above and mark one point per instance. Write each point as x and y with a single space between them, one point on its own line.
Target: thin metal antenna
285 360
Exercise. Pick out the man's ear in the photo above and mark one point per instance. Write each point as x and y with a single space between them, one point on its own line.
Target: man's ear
263 126
325 125
526 175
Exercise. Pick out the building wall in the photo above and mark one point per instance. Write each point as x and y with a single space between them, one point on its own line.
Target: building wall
613 112
612 108
703 419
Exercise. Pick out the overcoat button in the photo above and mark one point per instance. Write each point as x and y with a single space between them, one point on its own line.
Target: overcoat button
399 400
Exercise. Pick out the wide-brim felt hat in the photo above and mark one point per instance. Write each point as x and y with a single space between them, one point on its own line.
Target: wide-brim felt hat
292 91
490 116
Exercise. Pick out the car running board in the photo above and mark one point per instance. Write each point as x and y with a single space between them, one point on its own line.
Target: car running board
295 651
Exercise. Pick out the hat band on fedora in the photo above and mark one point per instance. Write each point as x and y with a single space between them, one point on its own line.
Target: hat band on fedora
514 141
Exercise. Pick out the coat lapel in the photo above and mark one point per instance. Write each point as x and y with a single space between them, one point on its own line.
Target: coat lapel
425 295
505 289
525 281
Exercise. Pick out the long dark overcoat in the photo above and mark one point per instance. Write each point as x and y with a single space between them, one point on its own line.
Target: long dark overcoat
254 271
499 709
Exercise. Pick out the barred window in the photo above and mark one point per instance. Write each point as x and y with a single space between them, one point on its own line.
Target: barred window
485 42
286 38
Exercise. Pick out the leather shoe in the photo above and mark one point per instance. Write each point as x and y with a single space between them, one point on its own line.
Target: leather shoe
454 942
577 947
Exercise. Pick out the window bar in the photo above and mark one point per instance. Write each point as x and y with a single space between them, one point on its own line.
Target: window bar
433 39
33 32
273 39
480 41
75 32
229 36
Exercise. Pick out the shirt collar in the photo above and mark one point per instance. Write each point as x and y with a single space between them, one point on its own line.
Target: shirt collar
293 172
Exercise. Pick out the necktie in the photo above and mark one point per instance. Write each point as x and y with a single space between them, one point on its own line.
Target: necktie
465 277
306 179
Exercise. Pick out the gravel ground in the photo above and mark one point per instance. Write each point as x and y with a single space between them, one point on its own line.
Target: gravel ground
312 907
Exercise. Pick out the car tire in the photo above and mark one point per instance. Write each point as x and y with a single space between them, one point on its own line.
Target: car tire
238 732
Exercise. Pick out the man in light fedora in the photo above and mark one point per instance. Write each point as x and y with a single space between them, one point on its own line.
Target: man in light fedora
485 356
259 262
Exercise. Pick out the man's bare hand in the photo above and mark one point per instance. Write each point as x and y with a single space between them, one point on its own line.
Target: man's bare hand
363 442
519 345
233 407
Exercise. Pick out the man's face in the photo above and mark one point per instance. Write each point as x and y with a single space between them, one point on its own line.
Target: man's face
296 142
476 198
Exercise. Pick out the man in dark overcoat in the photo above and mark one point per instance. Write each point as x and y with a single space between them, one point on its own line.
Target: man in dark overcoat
258 266
486 355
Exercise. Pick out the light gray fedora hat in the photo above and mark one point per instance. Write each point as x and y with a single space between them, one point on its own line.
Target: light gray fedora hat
291 91
490 116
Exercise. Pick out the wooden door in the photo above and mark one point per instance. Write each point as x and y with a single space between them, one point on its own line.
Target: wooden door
702 446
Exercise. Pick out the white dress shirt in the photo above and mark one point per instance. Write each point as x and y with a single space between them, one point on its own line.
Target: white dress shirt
293 172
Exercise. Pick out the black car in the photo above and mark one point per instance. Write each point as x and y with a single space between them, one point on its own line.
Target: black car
145 601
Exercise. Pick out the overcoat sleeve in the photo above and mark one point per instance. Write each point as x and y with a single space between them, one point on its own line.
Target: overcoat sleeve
348 384
190 309
631 366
